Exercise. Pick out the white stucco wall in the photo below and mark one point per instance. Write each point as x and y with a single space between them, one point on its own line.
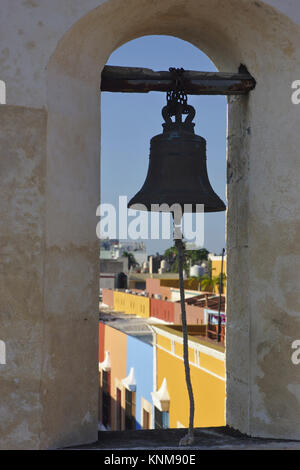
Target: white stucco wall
31 29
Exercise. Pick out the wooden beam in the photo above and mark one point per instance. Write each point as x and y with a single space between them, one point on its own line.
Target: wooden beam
140 80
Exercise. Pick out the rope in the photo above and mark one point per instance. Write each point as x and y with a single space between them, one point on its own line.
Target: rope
177 103
189 438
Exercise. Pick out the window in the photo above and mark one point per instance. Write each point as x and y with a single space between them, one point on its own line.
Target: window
146 419
119 410
161 419
106 399
130 410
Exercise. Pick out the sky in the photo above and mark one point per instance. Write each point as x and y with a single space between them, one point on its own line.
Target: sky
130 120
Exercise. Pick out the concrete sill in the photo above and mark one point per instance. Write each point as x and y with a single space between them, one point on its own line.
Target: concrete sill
220 438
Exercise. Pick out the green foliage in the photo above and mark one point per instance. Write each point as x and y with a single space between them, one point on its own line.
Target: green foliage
197 256
208 284
132 262
211 284
218 279
209 267
191 257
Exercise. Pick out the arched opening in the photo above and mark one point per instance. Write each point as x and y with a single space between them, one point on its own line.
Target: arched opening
128 122
125 141
230 35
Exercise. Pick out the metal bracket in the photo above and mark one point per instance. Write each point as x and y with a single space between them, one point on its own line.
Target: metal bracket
140 80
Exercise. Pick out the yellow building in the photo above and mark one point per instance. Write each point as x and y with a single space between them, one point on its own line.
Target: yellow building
207 365
216 262
132 304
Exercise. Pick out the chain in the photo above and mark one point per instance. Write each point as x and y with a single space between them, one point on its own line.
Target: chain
178 95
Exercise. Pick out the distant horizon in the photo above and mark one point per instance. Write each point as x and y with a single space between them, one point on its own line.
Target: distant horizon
124 242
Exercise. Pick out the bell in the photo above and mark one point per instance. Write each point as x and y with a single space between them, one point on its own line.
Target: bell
177 172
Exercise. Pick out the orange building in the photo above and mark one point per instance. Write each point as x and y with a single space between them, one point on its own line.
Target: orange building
126 378
112 369
108 297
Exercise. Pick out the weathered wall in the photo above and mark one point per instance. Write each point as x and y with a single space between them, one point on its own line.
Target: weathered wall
31 30
22 229
51 57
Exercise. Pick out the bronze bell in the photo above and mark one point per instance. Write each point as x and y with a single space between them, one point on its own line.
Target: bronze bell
177 170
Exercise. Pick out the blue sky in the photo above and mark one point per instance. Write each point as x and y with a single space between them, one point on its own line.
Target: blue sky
130 120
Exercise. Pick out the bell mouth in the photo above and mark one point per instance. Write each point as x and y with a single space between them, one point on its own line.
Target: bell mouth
168 205
177 172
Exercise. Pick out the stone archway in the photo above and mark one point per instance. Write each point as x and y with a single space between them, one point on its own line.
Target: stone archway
60 386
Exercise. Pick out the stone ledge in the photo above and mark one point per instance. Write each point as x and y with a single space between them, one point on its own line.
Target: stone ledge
220 438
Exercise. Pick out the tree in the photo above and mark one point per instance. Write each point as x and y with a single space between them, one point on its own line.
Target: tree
191 257
171 256
208 284
199 279
197 256
132 262
218 279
